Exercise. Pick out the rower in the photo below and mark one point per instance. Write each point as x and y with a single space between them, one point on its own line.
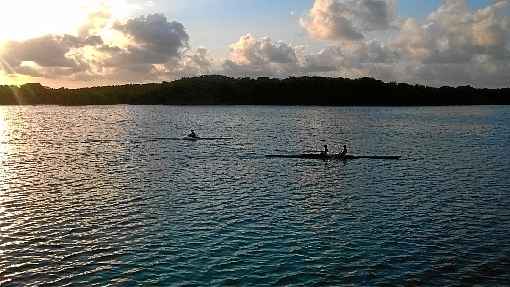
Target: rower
325 151
344 152
193 134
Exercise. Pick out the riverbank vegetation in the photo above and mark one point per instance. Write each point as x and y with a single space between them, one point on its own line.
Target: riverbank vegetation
221 90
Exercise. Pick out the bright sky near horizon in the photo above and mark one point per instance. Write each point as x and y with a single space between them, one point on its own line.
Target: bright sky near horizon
95 42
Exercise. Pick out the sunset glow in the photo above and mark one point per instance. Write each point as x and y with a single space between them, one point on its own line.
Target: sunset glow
447 42
53 16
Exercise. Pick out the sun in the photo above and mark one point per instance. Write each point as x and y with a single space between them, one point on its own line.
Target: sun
24 19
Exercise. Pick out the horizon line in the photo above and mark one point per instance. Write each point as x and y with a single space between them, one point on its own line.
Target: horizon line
253 78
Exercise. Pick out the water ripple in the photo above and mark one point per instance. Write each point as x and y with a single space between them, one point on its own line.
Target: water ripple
95 196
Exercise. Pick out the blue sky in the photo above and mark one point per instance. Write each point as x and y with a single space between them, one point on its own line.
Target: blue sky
217 23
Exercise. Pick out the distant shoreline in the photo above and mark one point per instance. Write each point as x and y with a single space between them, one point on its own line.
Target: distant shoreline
225 91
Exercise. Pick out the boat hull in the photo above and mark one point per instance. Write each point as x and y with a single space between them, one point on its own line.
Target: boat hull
333 157
206 139
192 139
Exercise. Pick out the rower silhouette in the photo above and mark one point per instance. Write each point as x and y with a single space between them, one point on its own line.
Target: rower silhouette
325 151
343 152
192 134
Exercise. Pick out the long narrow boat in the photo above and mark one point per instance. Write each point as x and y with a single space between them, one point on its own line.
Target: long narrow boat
204 139
332 156
192 139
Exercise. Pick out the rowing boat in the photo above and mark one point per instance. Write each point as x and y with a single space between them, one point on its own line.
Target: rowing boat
332 156
192 139
204 139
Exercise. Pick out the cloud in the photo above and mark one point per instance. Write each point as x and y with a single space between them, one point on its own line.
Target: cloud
48 50
143 48
361 59
157 50
264 57
452 45
252 51
192 62
454 34
46 55
96 22
254 57
260 57
154 39
348 20
196 62
456 45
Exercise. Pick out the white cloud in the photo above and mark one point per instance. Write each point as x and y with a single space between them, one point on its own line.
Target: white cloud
348 20
454 34
263 57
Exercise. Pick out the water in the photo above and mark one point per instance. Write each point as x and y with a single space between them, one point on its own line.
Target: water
90 196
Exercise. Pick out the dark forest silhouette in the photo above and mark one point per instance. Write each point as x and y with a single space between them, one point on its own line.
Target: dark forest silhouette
221 90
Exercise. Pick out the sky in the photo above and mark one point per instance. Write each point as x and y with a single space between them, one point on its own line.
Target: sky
78 43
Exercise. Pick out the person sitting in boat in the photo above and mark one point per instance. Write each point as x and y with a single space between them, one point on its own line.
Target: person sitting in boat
343 152
192 134
325 151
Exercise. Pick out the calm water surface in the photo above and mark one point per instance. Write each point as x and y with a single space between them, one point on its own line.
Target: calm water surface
94 196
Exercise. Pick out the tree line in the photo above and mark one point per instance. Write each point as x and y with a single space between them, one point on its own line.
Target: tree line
221 90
